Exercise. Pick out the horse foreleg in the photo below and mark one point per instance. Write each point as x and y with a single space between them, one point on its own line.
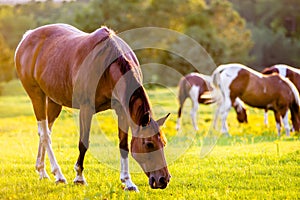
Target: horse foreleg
85 118
194 115
266 117
224 110
285 121
124 150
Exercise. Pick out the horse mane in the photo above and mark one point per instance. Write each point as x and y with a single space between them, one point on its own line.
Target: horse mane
238 65
283 66
117 51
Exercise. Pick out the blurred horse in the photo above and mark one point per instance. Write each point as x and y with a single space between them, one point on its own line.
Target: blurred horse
60 65
198 88
289 72
257 90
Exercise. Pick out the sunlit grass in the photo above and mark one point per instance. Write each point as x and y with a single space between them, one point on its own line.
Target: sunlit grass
252 164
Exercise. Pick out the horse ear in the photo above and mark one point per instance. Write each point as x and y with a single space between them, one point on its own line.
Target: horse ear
161 121
145 119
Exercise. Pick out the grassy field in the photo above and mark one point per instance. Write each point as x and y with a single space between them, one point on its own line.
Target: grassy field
252 164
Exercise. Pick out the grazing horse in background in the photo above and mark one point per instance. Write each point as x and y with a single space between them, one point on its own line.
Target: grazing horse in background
196 87
289 72
192 85
60 65
257 90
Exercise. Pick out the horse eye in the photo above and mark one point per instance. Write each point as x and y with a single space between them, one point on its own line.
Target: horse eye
149 145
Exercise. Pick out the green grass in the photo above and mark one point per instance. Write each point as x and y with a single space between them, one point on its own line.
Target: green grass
252 164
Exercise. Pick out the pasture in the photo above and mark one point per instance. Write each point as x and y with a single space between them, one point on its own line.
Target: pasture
252 164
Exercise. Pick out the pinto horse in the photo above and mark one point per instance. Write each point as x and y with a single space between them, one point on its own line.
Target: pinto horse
60 65
257 90
291 73
198 88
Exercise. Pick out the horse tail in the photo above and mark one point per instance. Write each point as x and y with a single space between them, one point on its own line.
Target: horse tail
217 92
295 106
23 38
294 90
182 93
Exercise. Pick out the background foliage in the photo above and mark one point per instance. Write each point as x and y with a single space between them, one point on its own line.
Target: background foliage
257 33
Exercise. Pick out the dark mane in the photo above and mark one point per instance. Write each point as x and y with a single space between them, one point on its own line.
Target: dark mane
144 109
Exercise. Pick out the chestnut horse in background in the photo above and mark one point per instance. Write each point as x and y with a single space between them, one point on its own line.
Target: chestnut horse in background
60 65
257 90
196 87
289 72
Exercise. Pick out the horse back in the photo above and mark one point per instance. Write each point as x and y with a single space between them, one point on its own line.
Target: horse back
50 56
254 89
192 79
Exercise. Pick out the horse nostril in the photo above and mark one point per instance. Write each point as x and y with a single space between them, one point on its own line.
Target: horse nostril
152 182
162 180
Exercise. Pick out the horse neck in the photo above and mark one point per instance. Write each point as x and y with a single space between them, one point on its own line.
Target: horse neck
131 95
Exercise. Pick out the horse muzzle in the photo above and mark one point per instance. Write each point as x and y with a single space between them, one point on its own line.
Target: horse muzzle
159 182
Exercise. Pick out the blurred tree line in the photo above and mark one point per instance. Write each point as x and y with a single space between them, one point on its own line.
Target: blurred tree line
250 31
275 27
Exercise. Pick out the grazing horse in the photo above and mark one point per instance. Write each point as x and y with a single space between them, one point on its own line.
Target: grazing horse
198 88
257 90
192 85
291 73
60 65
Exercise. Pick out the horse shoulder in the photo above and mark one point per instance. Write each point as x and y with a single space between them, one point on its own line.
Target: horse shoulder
241 81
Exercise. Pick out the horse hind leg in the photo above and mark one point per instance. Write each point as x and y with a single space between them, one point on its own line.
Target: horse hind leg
295 114
181 102
39 103
178 118
181 99
53 111
278 122
194 93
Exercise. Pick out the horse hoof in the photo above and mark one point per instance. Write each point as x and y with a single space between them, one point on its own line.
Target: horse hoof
44 177
82 182
64 181
132 188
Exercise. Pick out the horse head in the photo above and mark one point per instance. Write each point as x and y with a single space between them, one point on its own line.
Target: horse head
240 111
242 115
147 148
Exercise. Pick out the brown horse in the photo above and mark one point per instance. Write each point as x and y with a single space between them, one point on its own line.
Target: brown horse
60 65
257 90
289 72
198 88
